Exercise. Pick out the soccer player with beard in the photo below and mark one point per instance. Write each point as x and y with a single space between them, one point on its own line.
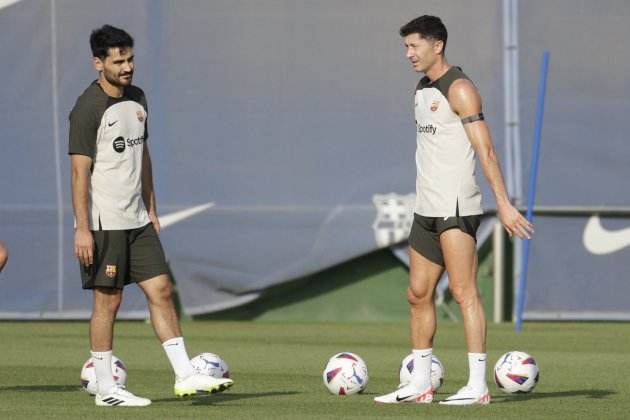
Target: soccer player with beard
451 131
117 227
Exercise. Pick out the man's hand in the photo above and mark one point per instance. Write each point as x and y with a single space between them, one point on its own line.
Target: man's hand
514 222
84 246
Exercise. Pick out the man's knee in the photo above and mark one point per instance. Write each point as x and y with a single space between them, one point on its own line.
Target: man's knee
107 300
418 297
463 294
165 291
159 290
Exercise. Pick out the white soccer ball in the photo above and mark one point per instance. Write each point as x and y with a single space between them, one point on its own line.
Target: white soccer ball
345 374
211 364
516 372
437 371
88 374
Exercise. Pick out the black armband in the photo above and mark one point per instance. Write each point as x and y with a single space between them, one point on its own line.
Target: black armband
473 118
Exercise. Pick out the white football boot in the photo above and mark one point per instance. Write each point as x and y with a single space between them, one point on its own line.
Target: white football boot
120 397
407 394
199 382
468 396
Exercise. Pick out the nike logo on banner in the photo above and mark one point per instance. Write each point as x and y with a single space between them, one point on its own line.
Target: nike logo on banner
178 216
601 241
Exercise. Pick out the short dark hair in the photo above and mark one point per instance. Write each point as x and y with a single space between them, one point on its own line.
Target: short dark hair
428 27
106 37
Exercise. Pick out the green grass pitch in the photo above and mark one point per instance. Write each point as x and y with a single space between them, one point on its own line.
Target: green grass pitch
277 371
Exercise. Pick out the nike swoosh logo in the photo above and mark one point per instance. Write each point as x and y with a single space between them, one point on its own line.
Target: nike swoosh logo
425 355
110 124
403 398
177 216
601 241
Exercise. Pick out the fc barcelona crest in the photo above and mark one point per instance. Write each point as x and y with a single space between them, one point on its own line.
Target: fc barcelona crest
434 105
140 116
394 217
110 271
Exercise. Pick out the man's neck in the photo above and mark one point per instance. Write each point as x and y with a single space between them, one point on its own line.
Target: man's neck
438 69
109 89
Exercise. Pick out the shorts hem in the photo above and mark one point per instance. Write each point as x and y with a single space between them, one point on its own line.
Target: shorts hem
430 258
102 286
150 276
462 230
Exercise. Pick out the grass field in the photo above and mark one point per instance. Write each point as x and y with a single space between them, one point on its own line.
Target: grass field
277 371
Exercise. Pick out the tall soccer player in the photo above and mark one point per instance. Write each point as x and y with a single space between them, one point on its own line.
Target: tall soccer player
451 131
116 238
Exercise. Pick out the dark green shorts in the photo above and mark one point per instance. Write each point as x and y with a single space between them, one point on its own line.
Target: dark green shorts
426 231
122 257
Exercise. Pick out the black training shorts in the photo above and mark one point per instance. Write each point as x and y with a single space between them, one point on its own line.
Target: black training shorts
122 257
426 231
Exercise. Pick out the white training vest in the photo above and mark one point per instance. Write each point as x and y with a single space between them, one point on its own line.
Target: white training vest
445 159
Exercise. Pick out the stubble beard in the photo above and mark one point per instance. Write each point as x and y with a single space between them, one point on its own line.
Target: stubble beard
117 81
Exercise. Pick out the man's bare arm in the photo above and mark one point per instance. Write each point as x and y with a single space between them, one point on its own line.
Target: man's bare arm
466 102
83 240
148 193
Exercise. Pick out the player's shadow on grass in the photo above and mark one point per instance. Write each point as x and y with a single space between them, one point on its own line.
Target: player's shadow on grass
208 399
42 388
588 393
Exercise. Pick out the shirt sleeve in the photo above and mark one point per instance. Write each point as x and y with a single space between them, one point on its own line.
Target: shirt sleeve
83 130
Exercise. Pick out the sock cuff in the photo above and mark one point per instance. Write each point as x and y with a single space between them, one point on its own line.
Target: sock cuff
101 353
422 351
477 354
175 341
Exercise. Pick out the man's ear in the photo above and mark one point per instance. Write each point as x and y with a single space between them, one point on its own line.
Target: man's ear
438 47
98 64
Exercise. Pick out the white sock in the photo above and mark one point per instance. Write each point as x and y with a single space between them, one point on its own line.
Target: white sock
103 368
176 353
421 375
477 371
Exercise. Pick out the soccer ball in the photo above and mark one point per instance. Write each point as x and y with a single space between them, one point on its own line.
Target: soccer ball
437 371
516 372
345 374
88 374
211 364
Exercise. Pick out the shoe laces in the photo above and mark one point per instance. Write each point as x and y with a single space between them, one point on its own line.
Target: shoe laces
121 390
467 389
411 388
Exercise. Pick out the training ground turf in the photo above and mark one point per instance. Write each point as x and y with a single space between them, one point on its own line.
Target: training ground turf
585 371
